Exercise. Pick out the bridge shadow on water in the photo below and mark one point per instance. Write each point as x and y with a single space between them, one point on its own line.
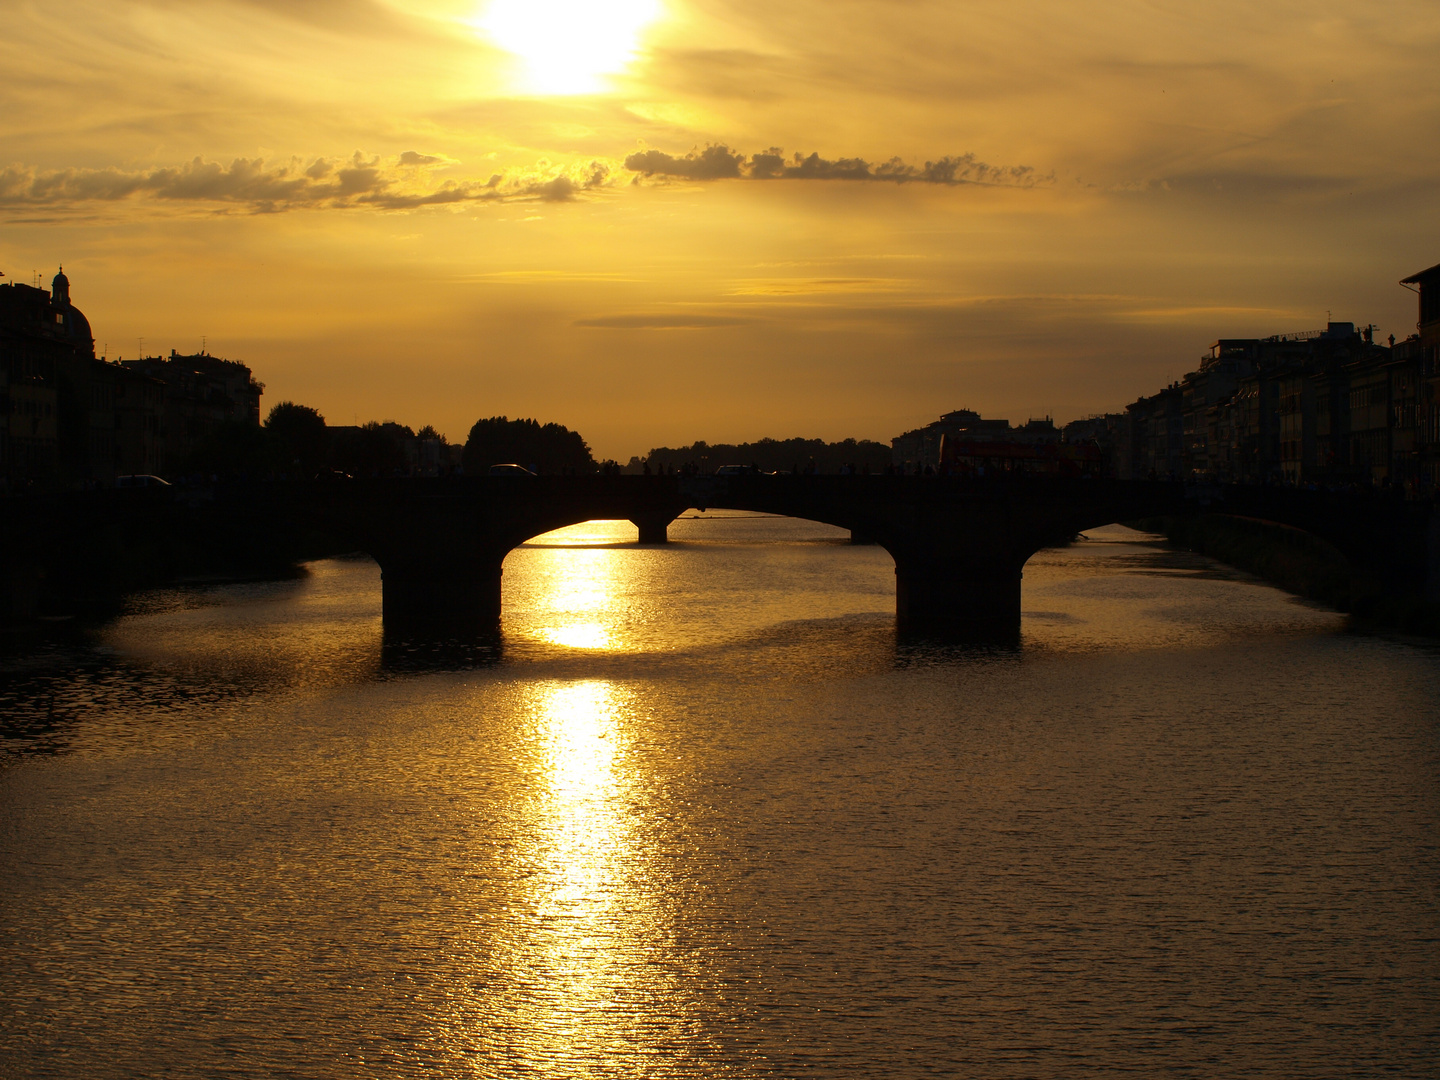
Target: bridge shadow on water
916 649
403 653
805 649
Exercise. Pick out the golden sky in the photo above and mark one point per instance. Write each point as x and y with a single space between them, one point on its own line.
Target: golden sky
662 220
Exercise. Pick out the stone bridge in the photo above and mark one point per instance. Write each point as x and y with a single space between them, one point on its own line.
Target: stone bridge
959 544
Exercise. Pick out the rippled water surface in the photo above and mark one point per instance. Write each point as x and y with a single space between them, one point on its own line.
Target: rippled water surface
699 813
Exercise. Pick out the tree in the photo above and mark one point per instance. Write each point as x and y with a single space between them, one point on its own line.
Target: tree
550 448
301 434
369 450
234 450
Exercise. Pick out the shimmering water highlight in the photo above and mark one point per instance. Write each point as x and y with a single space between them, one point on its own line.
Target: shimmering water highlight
700 813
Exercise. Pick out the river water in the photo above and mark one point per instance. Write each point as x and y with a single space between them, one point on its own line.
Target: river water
701 814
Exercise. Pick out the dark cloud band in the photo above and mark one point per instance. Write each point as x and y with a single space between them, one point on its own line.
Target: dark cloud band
409 181
258 187
719 162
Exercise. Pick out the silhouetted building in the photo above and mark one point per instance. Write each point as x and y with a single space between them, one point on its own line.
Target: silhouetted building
1426 345
1323 405
1103 434
68 418
1154 434
134 435
202 393
1100 429
1050 457
920 448
46 357
1042 432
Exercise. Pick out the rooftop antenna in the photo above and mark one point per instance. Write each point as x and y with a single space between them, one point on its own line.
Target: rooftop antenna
140 347
202 344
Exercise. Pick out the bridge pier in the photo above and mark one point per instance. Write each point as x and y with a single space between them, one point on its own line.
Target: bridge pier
654 526
435 597
958 598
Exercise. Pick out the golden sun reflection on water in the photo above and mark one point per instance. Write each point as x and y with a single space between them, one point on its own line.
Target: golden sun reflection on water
579 636
578 729
582 583
573 980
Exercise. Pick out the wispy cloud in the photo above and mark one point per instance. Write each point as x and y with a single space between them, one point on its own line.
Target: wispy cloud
662 322
1206 313
816 286
255 185
719 162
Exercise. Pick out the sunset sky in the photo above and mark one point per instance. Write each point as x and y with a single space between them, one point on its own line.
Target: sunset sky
661 220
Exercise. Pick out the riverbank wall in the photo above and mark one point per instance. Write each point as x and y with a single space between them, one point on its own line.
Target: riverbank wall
1300 563
62 555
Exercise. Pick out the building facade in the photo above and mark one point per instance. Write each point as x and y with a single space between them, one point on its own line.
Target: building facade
1328 407
922 448
68 418
1426 345
201 395
45 351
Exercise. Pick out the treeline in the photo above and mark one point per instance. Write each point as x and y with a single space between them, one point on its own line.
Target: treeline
295 442
772 455
388 449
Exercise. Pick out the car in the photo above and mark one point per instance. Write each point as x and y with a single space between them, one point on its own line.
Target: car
510 470
737 470
140 480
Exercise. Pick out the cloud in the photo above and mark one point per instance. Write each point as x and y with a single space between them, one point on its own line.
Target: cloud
257 186
1206 313
662 322
408 182
719 162
815 286
712 163
414 157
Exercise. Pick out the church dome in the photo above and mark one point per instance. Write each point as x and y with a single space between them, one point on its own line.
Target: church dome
71 321
78 329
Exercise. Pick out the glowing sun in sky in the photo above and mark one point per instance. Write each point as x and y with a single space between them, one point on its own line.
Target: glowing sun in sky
568 46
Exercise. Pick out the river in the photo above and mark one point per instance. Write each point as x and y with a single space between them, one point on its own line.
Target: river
699 813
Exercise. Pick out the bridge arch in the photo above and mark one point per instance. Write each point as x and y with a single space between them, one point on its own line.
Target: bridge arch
959 545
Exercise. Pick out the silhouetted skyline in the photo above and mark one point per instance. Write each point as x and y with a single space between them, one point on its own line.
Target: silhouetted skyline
704 219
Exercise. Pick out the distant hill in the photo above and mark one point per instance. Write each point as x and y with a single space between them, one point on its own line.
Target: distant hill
772 455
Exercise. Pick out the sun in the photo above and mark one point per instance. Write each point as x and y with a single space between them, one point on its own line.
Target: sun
568 46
